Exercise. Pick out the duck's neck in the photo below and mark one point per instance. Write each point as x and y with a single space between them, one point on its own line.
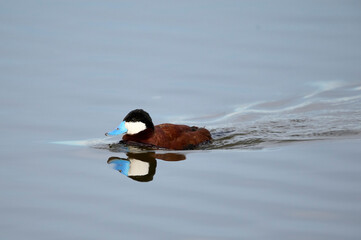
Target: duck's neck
147 133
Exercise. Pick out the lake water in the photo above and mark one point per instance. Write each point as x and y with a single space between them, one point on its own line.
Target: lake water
278 83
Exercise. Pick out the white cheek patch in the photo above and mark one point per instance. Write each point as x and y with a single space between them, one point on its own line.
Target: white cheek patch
135 127
138 168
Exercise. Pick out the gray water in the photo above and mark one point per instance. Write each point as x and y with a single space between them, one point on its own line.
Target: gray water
278 83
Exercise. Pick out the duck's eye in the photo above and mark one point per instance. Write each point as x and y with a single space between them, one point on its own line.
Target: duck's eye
117 128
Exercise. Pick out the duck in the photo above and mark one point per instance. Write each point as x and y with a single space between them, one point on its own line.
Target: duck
138 129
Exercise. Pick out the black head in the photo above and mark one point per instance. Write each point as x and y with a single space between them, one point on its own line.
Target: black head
139 115
135 122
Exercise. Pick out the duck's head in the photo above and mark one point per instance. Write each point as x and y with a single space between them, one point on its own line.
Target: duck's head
135 122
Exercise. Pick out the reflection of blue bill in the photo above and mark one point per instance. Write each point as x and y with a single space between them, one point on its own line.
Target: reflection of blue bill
121 165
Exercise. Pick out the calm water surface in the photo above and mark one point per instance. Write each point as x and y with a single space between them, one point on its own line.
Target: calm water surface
277 83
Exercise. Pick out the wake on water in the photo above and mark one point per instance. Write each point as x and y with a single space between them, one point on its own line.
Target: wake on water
333 110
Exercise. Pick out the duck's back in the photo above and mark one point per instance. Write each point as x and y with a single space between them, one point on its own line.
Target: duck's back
172 136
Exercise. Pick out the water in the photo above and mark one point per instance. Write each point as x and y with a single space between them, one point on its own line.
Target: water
277 83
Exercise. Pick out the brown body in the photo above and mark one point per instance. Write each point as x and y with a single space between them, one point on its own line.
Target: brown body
171 136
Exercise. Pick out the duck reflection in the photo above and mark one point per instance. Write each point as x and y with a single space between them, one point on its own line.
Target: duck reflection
141 166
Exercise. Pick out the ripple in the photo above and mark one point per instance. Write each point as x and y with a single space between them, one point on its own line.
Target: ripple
332 111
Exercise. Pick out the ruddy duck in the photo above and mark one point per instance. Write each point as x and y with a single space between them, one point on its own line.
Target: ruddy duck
140 130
